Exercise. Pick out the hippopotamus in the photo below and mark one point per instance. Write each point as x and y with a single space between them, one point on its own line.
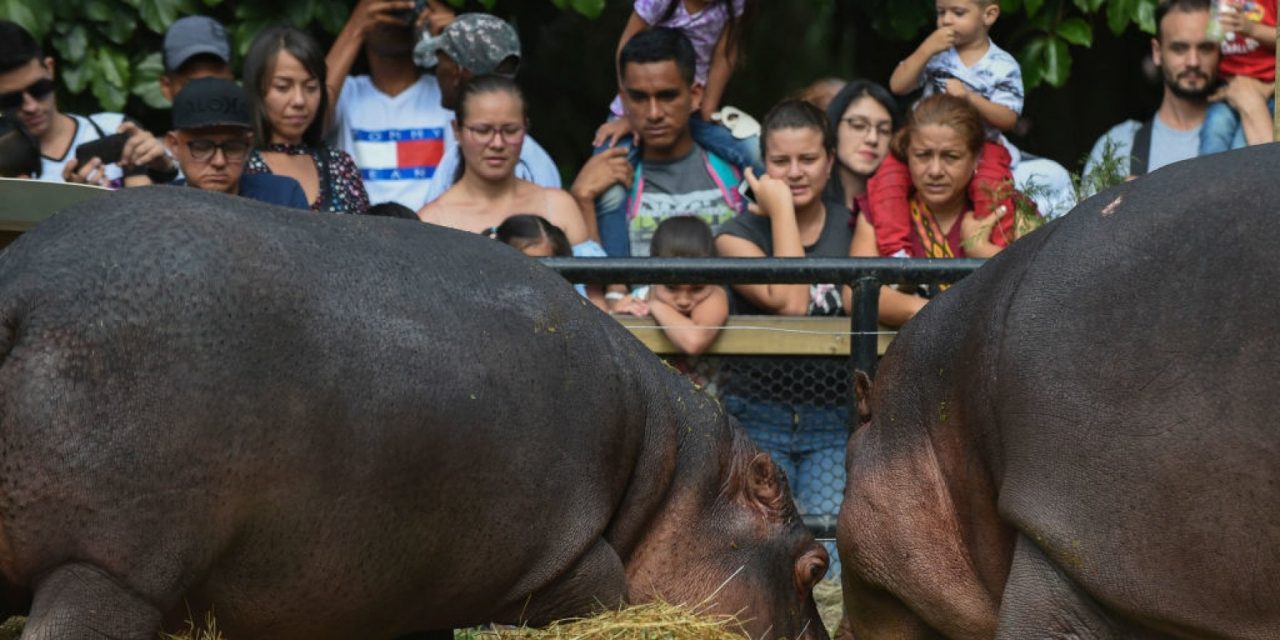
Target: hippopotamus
1080 439
324 426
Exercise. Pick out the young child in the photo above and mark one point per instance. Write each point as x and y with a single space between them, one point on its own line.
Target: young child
537 237
1248 49
714 27
684 311
958 58
533 236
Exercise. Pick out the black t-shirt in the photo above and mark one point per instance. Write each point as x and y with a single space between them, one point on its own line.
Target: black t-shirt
833 242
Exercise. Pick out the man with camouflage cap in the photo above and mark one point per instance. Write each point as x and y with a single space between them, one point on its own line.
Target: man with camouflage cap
476 44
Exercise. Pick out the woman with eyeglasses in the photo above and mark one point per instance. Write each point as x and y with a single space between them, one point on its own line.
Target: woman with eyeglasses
284 74
490 126
862 116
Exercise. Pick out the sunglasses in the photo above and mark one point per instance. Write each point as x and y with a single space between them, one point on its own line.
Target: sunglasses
38 90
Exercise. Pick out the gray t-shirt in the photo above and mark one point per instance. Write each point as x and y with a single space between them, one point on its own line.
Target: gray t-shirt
833 242
682 187
1168 145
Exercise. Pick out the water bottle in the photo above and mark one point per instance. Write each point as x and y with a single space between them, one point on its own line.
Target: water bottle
1214 30
1228 6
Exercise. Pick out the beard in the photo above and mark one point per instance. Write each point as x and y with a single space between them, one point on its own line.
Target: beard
1187 93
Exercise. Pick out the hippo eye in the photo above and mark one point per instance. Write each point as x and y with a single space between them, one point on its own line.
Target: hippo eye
816 571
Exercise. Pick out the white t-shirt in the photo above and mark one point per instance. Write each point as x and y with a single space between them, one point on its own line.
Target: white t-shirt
535 165
397 142
1168 145
51 168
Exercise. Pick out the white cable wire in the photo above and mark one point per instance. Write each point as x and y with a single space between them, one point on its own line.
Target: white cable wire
809 332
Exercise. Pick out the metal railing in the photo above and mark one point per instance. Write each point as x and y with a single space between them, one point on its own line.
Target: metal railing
865 275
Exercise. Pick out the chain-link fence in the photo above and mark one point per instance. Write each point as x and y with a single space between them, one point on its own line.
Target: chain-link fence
796 408
794 405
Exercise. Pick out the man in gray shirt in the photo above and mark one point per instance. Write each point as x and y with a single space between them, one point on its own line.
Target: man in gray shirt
673 175
1188 63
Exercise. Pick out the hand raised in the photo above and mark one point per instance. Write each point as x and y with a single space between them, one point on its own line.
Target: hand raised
773 196
940 40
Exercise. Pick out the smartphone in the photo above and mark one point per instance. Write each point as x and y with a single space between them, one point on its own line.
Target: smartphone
19 153
744 190
410 16
107 149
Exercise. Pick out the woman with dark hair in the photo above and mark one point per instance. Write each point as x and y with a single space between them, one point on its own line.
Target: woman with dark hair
284 75
801 428
862 118
490 126
794 220
940 145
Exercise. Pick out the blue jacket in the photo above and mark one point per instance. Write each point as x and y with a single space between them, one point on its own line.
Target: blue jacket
269 188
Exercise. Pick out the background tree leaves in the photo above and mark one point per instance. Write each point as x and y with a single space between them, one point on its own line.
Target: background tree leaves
108 54
94 34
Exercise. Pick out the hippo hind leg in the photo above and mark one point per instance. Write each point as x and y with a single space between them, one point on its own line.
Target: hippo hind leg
77 601
1040 601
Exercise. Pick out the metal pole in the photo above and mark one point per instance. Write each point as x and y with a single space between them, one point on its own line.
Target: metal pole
866 323
864 346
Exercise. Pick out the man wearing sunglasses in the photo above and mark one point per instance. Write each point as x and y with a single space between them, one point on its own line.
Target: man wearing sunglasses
27 94
211 139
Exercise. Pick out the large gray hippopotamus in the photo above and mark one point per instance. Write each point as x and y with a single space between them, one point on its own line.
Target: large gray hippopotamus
1082 439
345 427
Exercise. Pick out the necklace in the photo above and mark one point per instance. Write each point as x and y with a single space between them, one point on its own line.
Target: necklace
288 149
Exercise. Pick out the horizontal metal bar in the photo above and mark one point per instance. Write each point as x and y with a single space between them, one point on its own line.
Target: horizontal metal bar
761 270
822 525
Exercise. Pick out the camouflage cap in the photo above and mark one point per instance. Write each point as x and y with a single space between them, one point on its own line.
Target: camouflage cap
478 42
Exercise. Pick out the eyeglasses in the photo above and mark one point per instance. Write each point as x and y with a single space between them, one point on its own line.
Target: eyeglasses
484 134
202 150
862 127
38 90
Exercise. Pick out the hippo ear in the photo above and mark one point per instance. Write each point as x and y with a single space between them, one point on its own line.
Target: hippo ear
862 390
765 485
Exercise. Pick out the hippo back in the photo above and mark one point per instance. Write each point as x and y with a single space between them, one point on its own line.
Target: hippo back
1139 387
1085 428
248 387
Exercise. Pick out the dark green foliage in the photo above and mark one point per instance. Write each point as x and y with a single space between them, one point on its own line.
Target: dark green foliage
111 47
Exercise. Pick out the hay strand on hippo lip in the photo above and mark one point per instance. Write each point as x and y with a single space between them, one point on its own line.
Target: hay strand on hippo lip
207 631
651 621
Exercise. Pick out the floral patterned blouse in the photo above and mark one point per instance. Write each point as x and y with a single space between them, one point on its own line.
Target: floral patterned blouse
341 189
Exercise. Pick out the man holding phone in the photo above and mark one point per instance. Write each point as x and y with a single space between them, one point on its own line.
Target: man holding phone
27 87
390 121
211 139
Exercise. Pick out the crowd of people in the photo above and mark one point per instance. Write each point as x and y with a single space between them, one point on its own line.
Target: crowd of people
438 130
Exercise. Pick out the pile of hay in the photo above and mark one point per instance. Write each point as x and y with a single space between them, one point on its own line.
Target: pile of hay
654 621
830 600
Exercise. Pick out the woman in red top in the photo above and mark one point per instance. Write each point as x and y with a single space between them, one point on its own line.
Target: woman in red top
940 145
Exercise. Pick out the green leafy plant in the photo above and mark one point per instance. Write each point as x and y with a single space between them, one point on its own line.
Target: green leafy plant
1111 169
110 48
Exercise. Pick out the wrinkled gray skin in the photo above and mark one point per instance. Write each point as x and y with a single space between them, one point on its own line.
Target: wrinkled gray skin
1080 440
339 427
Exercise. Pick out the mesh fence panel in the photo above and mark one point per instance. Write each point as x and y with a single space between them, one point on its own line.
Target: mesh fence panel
794 407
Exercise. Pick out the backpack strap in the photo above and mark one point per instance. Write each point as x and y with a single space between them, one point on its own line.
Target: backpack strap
96 127
725 174
1140 154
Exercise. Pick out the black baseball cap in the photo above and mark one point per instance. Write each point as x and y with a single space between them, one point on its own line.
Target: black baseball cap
211 102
